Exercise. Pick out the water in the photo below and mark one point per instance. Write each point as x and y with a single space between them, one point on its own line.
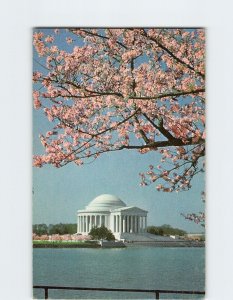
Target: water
134 267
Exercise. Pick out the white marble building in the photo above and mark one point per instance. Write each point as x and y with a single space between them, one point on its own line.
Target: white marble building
113 213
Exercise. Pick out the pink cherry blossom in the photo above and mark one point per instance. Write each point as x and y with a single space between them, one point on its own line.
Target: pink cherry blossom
49 39
69 40
133 89
37 103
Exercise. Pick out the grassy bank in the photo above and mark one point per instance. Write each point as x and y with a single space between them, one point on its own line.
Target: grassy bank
62 244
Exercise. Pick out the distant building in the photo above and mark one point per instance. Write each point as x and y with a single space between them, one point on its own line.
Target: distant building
113 213
195 236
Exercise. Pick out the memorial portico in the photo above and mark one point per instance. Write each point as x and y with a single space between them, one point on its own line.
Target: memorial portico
112 212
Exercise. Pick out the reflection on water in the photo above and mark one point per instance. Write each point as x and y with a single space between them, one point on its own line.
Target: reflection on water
134 267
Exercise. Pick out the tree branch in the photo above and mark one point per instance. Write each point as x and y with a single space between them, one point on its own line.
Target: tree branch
98 35
160 127
173 55
172 94
161 144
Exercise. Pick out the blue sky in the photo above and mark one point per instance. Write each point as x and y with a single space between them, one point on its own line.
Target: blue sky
59 193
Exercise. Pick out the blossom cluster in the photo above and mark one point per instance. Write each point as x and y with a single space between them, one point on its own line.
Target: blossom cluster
62 237
198 218
141 89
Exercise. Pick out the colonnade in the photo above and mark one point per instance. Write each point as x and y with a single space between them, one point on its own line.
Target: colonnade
86 222
117 223
129 223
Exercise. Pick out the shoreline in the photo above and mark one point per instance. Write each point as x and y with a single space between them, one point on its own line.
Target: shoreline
64 245
165 244
159 244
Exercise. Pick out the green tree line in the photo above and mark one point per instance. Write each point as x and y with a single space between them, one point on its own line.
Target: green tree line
165 230
60 228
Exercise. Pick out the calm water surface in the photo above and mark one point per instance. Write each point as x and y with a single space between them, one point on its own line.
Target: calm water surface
134 267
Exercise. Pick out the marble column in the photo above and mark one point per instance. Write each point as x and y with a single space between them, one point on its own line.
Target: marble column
117 223
90 223
131 223
124 223
102 221
142 228
87 222
136 224
114 223
120 221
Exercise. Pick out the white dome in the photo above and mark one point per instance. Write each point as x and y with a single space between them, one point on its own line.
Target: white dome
105 202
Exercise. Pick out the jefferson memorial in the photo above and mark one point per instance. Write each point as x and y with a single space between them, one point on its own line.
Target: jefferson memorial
113 213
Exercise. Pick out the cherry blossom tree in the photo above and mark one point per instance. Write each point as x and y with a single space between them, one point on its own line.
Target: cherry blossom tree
124 89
